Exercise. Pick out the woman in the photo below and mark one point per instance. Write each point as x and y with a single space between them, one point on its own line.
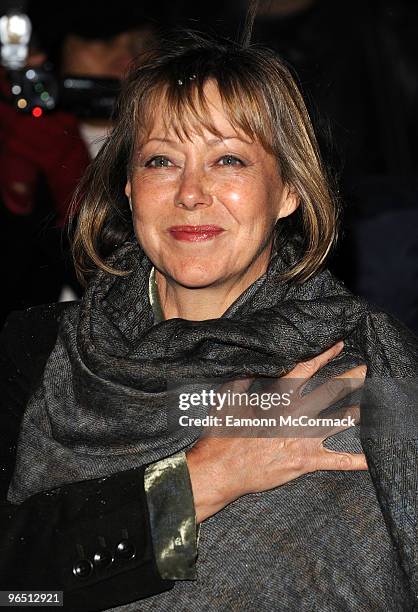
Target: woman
233 219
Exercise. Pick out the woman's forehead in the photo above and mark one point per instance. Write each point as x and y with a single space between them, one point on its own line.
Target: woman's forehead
179 130
187 118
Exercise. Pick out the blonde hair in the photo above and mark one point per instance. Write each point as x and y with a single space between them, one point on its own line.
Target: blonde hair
260 97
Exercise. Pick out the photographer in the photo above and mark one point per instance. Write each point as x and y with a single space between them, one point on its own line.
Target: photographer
44 154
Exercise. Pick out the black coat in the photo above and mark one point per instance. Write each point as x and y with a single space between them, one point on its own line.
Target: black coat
91 539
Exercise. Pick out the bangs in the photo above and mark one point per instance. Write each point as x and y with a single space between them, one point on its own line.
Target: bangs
184 109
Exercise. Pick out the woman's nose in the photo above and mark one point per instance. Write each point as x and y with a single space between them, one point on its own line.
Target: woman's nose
193 191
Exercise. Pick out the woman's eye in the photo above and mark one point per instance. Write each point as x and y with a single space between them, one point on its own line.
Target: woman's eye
230 160
159 161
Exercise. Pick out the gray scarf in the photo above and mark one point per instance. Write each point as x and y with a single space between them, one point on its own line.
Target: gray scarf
328 541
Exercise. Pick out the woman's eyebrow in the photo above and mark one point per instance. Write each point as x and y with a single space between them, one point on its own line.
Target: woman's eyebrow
214 141
167 140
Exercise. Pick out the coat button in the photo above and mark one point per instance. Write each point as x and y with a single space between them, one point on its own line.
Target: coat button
125 550
82 568
103 558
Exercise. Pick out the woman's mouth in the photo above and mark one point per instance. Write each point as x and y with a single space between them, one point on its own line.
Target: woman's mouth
195 233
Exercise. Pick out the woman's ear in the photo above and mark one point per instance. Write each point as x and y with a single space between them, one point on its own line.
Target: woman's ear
290 201
128 193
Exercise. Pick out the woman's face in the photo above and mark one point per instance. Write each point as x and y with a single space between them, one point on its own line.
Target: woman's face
204 209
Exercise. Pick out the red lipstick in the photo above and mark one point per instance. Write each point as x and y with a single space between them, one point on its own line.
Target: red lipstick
195 233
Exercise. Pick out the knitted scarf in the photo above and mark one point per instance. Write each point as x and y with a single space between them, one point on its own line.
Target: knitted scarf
326 541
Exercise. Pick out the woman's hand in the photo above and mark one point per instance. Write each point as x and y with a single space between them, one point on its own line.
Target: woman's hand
223 469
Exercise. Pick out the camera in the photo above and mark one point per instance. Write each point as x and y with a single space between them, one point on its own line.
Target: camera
39 90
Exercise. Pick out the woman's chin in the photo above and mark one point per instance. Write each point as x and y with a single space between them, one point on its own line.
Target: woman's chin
196 276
